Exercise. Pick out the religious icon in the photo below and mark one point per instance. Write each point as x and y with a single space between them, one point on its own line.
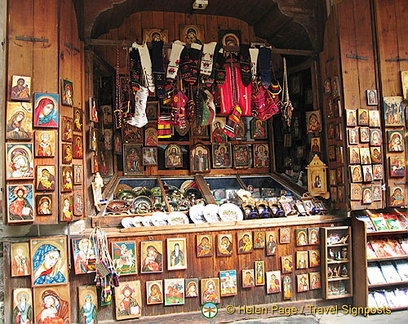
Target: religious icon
124 257
204 246
365 155
287 263
372 97
94 163
314 258
67 97
107 116
301 237
87 304
314 123
46 110
151 136
154 292
364 134
259 129
259 273
393 111
93 112
198 131
176 254
314 279
353 136
217 131
397 166
78 120
377 193
52 303
117 143
284 235
67 180
67 212
363 117
19 161
151 253
375 137
128 300
45 178
200 159
78 147
240 130
20 88
313 235
78 174
20 203
242 156
66 153
221 155
190 34
173 156
315 145
228 280
396 196
271 244
351 115
149 155
395 140
287 287
367 194
245 244
45 143
19 121
248 278
132 159
93 138
273 282
356 173
49 261
374 116
259 239
335 86
174 292
229 38
367 173
155 34
84 255
261 155
78 203
302 259
152 108
20 259
356 191
302 282
224 244
107 139
23 306
378 171
376 156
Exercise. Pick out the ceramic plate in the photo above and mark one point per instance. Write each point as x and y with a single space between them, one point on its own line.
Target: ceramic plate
117 206
230 212
142 205
127 222
137 221
197 214
159 219
211 213
219 194
146 221
178 218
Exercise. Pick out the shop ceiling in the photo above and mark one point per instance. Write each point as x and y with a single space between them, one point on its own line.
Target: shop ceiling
285 24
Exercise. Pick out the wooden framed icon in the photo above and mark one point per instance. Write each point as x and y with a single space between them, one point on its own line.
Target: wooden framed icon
54 295
20 202
149 155
224 244
356 173
151 136
261 155
367 173
365 155
191 287
132 159
200 159
313 235
395 140
128 300
154 292
20 88
367 194
67 153
245 244
284 235
67 208
372 99
93 110
204 245
221 155
287 263
46 110
351 117
376 155
210 290
302 259
375 137
132 134
396 196
259 239
174 291
45 143
393 111
88 303
67 91
397 166
176 254
23 305
314 280
190 34
78 148
314 258
259 129
67 180
374 116
43 205
20 162
151 253
248 278
314 123
356 191
242 156
228 281
49 261
45 178
378 171
152 109
124 257
273 282
259 273
301 237
302 282
78 119
19 119
84 255
363 117
173 156
20 259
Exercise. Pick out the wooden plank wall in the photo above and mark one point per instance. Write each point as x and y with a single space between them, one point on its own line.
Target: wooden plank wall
47 62
392 38
133 26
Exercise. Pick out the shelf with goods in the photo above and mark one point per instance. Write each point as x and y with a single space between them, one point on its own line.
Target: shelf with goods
380 263
337 268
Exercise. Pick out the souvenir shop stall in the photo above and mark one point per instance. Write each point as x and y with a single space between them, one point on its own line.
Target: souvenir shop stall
206 162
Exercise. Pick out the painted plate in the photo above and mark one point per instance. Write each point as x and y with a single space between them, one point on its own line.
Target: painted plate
178 218
230 212
219 194
197 214
137 221
142 205
146 221
118 206
127 222
159 219
211 213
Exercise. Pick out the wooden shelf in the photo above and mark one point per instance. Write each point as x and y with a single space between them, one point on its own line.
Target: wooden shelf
336 245
384 285
387 258
338 261
385 233
338 296
338 279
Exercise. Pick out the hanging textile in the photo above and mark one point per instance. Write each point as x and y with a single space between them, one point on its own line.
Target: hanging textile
146 65
235 116
265 66
117 112
244 63
253 53
178 111
207 58
194 60
158 67
174 59
286 104
205 108
140 119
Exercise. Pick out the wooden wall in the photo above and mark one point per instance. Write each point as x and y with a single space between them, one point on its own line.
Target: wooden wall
43 43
